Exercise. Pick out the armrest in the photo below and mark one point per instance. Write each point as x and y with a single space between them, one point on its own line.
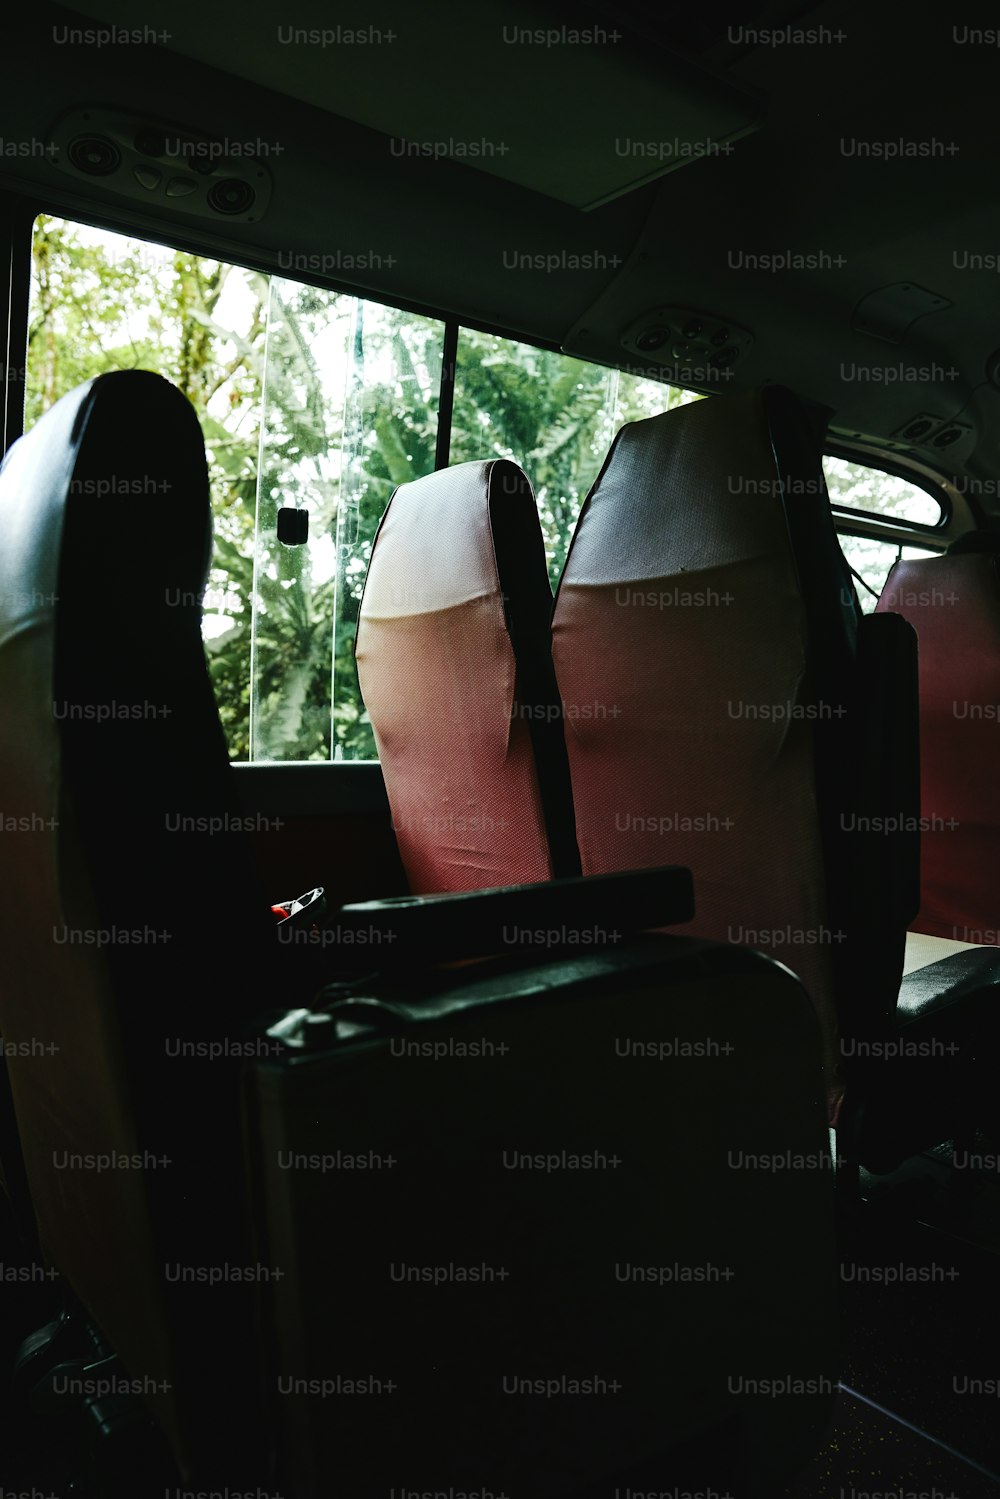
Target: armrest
949 981
582 914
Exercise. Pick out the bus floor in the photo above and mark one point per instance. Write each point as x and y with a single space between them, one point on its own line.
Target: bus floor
917 1413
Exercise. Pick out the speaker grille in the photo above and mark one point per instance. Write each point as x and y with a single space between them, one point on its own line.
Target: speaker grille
231 196
94 154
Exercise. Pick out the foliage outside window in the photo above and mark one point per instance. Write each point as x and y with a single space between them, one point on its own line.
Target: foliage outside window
853 486
313 398
554 415
874 560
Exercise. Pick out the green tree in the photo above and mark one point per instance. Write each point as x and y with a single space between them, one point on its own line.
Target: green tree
309 397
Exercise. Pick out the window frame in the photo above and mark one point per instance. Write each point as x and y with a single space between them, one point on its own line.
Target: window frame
19 214
857 522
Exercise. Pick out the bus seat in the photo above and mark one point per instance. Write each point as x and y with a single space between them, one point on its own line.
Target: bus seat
712 617
454 659
140 960
757 728
131 949
953 603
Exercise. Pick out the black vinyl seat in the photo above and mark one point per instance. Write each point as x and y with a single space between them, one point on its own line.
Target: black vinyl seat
129 947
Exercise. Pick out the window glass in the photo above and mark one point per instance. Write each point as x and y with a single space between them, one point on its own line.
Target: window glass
873 559
554 415
853 486
320 401
350 411
307 399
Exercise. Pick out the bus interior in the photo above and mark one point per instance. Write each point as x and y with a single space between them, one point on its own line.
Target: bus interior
498 889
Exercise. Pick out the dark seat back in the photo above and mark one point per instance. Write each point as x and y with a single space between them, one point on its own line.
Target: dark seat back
455 665
134 941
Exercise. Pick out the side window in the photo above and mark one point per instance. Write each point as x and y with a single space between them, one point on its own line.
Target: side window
854 487
315 400
552 414
873 560
307 398
350 411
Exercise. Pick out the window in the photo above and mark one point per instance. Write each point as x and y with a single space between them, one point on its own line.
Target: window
315 399
554 415
350 410
853 486
873 560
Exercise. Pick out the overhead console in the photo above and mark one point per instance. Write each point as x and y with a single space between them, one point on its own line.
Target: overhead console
148 160
690 346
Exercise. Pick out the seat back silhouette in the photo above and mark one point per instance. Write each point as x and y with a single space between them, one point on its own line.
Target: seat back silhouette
136 944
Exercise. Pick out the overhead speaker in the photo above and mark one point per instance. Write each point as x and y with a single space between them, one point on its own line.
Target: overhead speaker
918 429
161 168
927 430
231 195
94 154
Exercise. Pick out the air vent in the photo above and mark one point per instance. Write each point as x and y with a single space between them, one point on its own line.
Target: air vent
169 168
94 155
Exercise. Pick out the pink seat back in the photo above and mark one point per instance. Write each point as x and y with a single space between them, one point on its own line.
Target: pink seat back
953 603
454 658
681 644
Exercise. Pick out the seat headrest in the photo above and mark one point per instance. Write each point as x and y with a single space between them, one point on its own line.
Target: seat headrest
454 658
690 487
85 520
458 534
